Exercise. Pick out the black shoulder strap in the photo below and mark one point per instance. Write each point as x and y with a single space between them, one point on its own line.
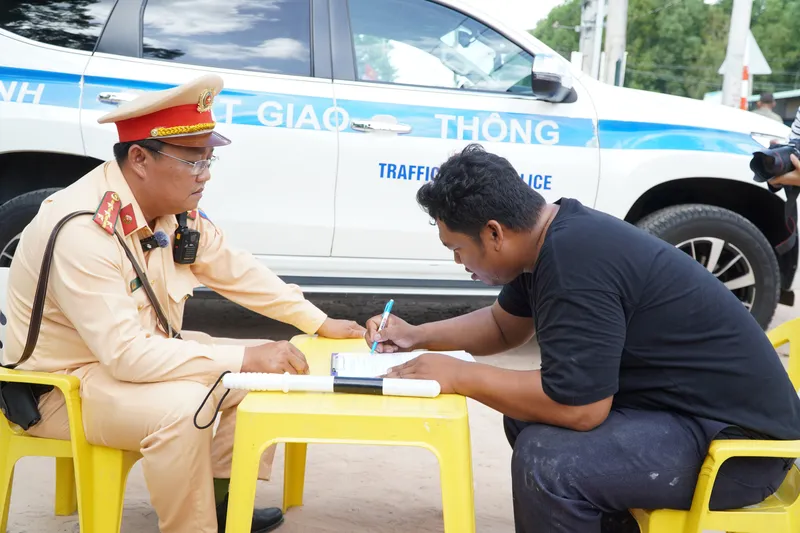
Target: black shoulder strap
162 318
37 311
790 216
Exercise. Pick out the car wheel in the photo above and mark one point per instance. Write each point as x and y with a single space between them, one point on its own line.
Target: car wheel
15 214
729 246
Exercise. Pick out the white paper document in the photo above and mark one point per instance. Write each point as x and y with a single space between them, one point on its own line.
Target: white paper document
366 365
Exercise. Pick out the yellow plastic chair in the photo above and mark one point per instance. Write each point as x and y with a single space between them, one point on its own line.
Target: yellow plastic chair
780 513
264 418
89 479
99 473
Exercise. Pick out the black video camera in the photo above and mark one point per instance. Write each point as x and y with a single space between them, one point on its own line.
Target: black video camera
771 163
774 161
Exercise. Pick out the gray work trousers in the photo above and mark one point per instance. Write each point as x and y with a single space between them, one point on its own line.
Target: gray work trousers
566 481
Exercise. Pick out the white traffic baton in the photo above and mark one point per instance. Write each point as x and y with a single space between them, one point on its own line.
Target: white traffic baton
257 381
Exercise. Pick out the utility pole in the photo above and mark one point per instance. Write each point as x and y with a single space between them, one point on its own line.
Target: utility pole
735 54
598 38
616 28
589 12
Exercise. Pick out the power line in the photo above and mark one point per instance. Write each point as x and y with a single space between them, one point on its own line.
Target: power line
703 68
707 83
679 79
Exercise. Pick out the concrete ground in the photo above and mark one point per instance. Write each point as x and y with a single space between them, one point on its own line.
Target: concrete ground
350 489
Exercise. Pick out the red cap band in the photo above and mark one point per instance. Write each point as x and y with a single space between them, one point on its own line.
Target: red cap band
176 120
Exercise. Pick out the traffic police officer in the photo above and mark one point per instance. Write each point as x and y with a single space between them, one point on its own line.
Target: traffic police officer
141 384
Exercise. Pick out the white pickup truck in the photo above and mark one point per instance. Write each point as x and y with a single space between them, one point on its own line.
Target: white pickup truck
340 109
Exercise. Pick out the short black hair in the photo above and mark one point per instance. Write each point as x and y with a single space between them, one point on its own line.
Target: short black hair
475 186
121 149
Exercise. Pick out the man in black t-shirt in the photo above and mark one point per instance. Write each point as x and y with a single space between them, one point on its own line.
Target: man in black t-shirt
646 356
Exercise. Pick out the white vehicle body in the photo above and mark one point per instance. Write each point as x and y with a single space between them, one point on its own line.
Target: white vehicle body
331 205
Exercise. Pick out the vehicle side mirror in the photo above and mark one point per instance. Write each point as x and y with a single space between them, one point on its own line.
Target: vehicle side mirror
551 81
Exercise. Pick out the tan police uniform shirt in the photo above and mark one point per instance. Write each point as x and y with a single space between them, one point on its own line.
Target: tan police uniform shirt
96 312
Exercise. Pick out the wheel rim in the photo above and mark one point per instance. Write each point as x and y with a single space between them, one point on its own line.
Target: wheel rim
727 263
8 251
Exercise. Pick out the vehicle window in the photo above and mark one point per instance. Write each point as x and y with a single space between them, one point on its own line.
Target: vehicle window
73 24
263 36
418 42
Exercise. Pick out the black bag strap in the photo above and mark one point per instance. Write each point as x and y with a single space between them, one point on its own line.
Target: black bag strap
37 310
790 216
162 318
41 289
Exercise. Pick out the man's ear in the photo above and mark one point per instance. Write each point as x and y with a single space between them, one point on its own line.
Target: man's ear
138 159
495 234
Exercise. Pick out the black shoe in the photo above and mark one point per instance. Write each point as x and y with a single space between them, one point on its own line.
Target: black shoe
264 520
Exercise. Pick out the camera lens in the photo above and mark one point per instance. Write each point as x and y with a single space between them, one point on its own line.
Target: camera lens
768 163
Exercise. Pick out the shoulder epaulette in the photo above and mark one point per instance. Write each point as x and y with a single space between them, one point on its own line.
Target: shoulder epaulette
108 212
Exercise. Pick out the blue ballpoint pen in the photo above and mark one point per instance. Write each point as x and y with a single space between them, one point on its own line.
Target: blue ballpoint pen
384 319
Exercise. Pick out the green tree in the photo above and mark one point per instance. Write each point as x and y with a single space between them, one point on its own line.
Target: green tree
677 46
557 30
665 44
774 25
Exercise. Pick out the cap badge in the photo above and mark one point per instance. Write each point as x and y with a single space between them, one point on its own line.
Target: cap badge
205 101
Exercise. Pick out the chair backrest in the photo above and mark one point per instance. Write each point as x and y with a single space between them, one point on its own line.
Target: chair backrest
789 332
5 425
3 314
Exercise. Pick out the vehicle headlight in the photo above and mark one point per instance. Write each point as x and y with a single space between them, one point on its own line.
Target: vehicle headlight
764 139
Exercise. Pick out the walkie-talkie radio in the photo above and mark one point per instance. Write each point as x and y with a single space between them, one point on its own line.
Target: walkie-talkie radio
187 241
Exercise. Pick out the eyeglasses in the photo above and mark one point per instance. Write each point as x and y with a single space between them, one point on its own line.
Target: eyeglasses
198 167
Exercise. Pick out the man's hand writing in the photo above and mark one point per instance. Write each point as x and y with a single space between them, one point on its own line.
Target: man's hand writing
395 336
274 358
442 368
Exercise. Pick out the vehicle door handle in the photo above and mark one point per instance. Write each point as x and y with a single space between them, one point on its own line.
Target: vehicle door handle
375 125
116 98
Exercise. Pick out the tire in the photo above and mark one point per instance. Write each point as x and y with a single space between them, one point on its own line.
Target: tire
700 230
15 214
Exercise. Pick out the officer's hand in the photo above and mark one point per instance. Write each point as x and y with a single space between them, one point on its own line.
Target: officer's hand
396 335
340 329
275 358
790 178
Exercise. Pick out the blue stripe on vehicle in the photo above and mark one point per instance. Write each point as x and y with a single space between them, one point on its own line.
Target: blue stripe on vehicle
480 126
318 113
625 135
243 107
41 87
